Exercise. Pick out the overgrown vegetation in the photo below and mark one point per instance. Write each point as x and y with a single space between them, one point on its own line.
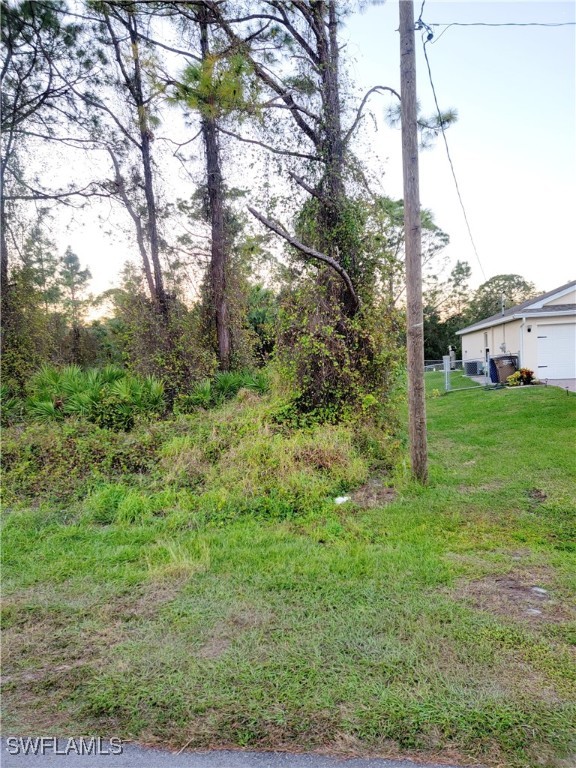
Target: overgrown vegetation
235 454
193 582
197 550
109 397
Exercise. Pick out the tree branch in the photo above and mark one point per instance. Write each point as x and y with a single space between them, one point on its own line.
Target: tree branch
376 89
288 152
311 253
265 77
121 189
307 187
35 194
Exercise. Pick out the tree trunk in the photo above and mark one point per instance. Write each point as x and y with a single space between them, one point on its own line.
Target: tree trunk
331 225
145 149
3 259
75 343
137 224
3 250
219 248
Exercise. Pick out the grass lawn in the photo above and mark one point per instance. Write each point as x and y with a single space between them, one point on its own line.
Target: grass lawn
408 628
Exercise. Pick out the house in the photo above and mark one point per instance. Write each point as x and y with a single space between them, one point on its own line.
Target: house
540 331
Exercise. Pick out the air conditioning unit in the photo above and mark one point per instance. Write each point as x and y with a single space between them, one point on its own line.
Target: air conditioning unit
471 367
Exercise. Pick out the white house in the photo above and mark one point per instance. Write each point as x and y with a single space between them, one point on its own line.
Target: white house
541 331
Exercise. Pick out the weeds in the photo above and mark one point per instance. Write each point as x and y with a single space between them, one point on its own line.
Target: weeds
224 386
199 586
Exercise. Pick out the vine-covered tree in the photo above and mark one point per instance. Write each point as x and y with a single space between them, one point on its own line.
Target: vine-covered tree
294 50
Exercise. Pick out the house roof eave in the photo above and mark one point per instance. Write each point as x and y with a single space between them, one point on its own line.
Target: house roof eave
518 316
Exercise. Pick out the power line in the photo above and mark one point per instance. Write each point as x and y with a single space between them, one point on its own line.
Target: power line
505 24
494 24
420 25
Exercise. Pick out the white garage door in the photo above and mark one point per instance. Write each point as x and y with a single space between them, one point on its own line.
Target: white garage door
557 351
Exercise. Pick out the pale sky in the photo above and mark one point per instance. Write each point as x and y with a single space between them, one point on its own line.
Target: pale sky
513 146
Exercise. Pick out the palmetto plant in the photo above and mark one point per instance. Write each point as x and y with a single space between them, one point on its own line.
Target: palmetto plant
43 410
224 386
227 383
257 381
110 373
11 407
110 396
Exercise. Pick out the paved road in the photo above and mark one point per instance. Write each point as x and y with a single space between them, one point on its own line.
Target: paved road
139 757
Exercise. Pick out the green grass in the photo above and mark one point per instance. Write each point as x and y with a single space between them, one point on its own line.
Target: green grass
221 598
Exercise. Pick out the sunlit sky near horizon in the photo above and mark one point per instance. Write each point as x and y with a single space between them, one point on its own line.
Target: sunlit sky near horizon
513 145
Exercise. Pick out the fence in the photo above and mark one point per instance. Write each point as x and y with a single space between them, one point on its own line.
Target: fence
433 365
465 374
455 375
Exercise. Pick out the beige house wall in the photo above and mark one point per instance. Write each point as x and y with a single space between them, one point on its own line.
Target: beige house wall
520 337
568 298
505 335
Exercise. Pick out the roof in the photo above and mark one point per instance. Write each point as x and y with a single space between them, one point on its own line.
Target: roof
533 306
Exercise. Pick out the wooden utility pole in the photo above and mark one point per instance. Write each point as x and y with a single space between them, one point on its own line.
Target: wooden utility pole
413 239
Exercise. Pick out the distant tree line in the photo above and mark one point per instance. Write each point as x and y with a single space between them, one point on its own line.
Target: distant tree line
304 264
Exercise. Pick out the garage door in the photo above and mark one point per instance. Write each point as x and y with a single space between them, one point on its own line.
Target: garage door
557 351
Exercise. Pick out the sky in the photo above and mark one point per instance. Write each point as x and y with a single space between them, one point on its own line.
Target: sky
513 146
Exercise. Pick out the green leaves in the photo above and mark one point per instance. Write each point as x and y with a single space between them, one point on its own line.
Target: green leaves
43 410
217 86
499 293
11 407
110 397
225 385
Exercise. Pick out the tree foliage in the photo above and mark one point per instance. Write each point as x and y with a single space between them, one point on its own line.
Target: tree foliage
101 78
497 294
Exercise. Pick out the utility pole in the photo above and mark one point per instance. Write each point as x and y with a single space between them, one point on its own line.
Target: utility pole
413 238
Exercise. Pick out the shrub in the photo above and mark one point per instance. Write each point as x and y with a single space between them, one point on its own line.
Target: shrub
334 362
109 397
64 459
11 407
522 376
224 386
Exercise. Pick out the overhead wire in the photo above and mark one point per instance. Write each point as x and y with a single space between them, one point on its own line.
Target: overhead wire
429 34
496 24
428 38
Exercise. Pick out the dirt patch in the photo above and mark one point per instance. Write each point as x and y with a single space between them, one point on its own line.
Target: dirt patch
537 495
373 494
149 599
225 632
59 644
217 645
522 595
